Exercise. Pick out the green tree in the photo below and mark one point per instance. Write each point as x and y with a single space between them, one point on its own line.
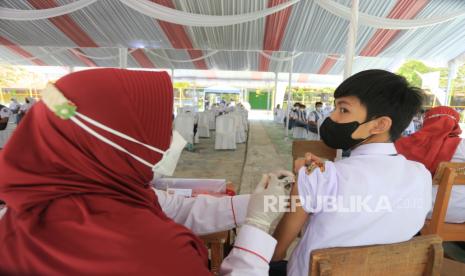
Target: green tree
409 71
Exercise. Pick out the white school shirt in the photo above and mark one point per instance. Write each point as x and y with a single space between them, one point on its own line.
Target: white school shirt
311 116
456 208
379 180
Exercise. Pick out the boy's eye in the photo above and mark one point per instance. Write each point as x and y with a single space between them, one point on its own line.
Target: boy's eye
343 110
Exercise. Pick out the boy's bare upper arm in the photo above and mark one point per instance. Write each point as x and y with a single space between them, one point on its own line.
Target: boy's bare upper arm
290 226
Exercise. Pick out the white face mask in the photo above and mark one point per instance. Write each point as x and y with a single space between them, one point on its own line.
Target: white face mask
319 109
64 109
170 159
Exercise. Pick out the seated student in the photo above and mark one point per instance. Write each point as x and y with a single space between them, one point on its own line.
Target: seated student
314 119
300 126
78 201
375 196
438 141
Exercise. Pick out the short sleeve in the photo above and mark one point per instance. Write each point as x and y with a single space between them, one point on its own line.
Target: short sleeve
315 188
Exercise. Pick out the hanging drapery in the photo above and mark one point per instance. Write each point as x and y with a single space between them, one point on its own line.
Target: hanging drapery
151 9
199 20
27 15
13 61
184 60
386 23
101 58
279 59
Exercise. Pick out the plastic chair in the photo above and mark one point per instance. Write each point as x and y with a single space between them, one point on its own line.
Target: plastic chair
212 119
184 124
225 132
203 126
241 136
421 255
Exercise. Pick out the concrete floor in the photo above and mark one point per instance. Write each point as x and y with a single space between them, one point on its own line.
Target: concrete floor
265 151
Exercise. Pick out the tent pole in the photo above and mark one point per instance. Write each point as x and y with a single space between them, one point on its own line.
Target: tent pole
289 94
123 57
351 39
452 72
275 88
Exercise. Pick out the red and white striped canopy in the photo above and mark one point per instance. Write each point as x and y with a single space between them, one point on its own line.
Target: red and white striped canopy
92 36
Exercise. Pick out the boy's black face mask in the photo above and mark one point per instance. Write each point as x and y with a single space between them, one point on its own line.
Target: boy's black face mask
3 126
339 135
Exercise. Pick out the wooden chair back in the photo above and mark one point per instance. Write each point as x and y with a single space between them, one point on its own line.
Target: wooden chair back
215 243
421 255
447 175
320 149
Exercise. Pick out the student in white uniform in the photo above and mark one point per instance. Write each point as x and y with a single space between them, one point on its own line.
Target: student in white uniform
315 118
439 141
300 129
375 196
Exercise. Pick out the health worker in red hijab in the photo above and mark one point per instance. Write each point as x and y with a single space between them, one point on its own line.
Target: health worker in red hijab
78 206
436 141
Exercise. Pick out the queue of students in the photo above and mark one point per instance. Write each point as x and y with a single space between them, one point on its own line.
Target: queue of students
79 202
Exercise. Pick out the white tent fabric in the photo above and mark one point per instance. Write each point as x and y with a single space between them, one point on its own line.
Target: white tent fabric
186 60
225 133
27 15
387 23
148 8
199 20
311 30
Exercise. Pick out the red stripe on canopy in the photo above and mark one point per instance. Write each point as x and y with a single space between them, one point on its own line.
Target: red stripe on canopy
20 51
141 58
275 28
178 37
328 64
404 9
67 25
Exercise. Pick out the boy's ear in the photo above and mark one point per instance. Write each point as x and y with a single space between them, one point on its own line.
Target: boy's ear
382 124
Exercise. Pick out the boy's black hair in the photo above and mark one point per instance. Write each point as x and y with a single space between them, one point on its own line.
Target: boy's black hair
384 94
318 103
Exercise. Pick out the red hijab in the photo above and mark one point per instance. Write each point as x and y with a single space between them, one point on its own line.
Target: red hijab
436 141
77 206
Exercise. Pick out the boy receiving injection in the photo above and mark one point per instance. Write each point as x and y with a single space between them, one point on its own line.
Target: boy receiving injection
375 196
